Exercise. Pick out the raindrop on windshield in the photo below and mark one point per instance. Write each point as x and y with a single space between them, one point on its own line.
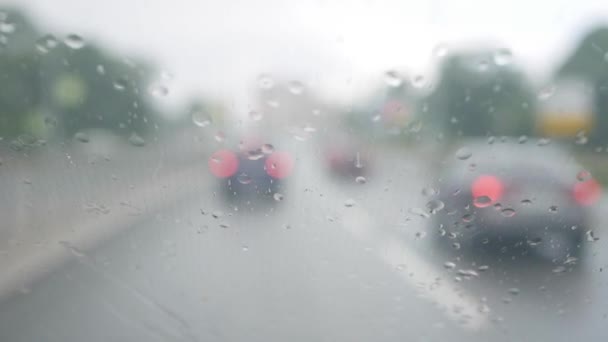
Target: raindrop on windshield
82 137
200 118
158 90
482 201
583 175
349 203
74 41
546 92
482 65
429 191
553 209
243 178
120 84
219 136
46 43
503 57
136 140
418 81
463 153
449 265
590 237
295 87
508 212
435 206
543 142
468 218
267 148
440 51
393 79
360 180
277 197
581 138
265 81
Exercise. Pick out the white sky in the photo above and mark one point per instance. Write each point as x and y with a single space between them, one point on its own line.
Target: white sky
219 47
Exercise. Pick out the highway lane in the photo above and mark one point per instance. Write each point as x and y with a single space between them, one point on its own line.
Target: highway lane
312 269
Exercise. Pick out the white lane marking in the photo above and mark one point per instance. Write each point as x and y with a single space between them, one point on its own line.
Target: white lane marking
427 278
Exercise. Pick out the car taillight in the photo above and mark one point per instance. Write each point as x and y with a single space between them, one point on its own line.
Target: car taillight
279 165
223 163
486 190
587 192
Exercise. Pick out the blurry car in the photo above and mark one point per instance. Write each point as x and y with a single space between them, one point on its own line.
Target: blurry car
514 198
253 172
347 159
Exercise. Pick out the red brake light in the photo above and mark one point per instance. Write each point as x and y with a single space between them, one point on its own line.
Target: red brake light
279 165
587 192
488 188
223 163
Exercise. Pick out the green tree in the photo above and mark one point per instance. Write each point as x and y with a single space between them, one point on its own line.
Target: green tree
475 96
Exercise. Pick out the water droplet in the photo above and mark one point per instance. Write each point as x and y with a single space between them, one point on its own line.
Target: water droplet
583 175
77 252
393 79
526 201
514 291
245 248
419 212
219 136
523 139
508 212
201 118
101 69
360 180
255 115
534 241
581 138
273 103
590 237
468 218
121 84
434 206
277 197
449 265
46 43
7 27
456 245
559 269
546 92
498 206
244 178
483 268
429 191
82 137
482 201
418 81
74 41
571 260
440 51
217 214
267 148
420 235
136 140
463 153
265 81
553 209
483 65
255 154
503 57
543 142
295 87
158 90
349 203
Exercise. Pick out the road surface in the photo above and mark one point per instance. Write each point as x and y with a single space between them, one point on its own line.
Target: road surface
331 262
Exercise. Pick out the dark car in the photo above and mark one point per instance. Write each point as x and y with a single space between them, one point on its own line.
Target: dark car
516 198
251 174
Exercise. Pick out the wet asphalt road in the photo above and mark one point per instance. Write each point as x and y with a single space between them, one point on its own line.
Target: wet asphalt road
309 268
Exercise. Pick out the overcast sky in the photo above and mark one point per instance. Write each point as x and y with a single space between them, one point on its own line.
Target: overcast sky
219 47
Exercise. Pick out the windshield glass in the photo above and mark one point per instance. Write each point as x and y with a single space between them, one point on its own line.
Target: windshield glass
303 171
